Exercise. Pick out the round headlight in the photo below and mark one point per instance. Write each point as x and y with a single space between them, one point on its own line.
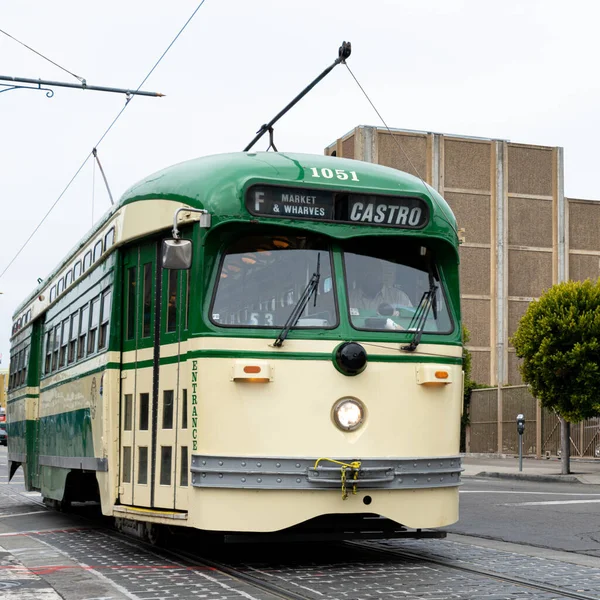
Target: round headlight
348 414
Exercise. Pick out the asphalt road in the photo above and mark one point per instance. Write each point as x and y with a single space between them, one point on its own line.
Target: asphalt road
558 516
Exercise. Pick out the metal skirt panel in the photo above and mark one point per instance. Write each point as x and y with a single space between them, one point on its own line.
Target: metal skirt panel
301 474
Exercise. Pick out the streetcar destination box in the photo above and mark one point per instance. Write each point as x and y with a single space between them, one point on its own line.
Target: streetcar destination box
341 207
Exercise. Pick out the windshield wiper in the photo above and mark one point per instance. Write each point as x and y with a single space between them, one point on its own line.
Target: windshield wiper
417 323
304 299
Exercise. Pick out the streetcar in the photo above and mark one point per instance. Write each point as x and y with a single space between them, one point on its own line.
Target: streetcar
250 343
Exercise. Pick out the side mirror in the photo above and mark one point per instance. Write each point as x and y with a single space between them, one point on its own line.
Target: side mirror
176 254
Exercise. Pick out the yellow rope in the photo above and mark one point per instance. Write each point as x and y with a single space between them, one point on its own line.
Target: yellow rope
353 466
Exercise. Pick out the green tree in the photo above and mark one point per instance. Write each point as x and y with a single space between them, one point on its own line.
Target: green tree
559 341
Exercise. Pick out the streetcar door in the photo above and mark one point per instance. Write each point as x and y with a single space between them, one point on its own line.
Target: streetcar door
139 375
172 458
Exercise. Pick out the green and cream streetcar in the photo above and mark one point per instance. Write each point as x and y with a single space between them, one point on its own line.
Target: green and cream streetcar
290 355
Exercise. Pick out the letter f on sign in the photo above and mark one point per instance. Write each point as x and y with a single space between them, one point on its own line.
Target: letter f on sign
259 198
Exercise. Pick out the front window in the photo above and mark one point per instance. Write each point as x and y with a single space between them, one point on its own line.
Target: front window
262 278
388 281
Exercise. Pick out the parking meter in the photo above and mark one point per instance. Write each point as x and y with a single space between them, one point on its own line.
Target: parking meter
520 430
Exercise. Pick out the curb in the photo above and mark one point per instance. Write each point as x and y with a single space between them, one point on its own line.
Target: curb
530 477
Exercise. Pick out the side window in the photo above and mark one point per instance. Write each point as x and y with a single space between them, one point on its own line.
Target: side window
52 293
109 239
104 320
147 315
55 347
87 261
131 312
97 250
77 270
48 363
73 338
68 278
64 340
94 320
84 319
60 288
172 300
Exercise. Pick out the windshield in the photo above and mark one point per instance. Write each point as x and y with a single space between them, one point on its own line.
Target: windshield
262 278
386 282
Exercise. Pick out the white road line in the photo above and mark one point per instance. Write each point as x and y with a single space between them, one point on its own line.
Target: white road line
523 493
35 512
553 503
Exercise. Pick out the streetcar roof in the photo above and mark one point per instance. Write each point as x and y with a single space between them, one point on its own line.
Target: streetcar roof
218 183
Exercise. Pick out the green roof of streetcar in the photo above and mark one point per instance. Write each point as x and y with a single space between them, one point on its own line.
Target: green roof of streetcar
218 184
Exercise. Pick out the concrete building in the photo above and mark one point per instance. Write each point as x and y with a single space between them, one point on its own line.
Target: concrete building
521 235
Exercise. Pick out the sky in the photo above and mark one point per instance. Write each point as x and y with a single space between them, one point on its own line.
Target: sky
520 70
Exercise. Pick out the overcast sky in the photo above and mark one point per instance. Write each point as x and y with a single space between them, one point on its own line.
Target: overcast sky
523 70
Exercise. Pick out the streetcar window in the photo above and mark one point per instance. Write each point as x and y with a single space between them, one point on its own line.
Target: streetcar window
172 301
147 314
68 279
144 406
126 464
109 238
48 363
20 361
166 453
87 261
64 340
84 319
184 410
104 319
131 283
53 293
262 278
94 319
72 338
97 250
55 347
77 270
183 476
167 420
60 287
187 298
386 283
25 364
142 465
128 416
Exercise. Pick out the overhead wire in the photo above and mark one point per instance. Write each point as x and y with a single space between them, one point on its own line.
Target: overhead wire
398 144
101 139
44 57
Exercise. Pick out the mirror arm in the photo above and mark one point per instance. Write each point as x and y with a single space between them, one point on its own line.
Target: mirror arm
202 211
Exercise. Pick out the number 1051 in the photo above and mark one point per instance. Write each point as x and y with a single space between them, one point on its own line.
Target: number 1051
331 174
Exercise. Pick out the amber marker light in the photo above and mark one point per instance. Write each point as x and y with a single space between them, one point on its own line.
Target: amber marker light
251 369
441 374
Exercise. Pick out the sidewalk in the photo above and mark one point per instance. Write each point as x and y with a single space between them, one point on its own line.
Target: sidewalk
507 466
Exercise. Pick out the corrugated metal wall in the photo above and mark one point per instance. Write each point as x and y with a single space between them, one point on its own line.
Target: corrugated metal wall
485 428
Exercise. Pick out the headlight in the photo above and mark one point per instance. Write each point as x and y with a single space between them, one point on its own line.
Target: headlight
348 414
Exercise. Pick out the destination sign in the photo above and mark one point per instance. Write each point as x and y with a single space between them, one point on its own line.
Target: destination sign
341 207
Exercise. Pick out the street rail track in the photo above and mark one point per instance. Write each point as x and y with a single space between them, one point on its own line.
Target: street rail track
450 564
241 573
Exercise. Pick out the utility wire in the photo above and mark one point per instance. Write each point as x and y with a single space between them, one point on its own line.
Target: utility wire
101 138
398 144
386 126
44 57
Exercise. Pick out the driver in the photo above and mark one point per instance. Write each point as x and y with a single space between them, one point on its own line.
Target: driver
371 292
